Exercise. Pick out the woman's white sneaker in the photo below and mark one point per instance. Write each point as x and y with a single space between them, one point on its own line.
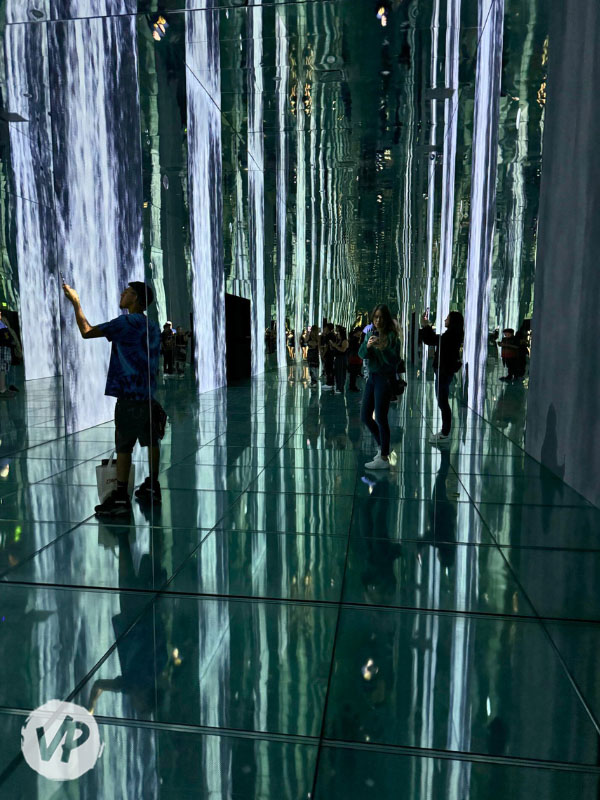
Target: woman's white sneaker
378 463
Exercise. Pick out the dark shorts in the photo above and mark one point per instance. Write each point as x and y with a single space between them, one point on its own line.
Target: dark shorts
134 423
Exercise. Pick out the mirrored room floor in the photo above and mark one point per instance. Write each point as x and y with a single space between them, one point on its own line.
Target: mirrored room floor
289 625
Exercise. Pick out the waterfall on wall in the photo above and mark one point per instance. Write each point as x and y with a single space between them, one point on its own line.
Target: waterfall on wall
256 185
203 87
483 197
27 77
98 191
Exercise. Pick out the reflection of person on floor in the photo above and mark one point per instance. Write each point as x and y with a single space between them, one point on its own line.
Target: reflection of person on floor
143 651
510 407
378 577
442 515
132 380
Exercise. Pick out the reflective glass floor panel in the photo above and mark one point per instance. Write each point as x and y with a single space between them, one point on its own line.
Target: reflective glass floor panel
290 625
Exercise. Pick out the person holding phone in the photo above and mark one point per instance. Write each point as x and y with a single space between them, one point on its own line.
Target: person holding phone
446 362
381 350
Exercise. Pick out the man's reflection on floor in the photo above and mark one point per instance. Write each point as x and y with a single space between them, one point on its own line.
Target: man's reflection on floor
142 650
442 514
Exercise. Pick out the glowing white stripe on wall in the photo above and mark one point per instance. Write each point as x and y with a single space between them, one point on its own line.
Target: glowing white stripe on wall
256 187
483 197
282 99
435 19
300 269
449 163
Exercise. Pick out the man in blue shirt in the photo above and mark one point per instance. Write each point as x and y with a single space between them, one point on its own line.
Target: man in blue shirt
132 380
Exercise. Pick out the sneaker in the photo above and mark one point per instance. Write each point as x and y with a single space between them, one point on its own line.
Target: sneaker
439 438
337 391
13 388
149 492
378 453
115 505
327 388
378 463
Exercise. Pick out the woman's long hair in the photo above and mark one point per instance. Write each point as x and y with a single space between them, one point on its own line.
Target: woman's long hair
386 318
341 332
456 325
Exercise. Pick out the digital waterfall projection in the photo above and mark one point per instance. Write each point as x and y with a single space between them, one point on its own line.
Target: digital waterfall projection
483 197
27 69
98 182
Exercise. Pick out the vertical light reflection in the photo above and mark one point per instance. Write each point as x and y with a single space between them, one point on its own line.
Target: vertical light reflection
203 89
322 229
282 79
435 21
300 276
449 160
256 184
313 215
404 231
214 623
483 197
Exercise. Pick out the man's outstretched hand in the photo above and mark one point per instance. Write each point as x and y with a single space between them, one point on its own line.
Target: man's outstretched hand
70 294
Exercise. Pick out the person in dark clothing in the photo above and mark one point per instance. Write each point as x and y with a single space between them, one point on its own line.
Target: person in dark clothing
327 354
291 344
510 353
522 337
312 348
132 380
354 360
181 340
446 362
339 345
9 345
167 347
381 349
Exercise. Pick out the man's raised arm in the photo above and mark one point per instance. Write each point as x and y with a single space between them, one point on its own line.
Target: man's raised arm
86 330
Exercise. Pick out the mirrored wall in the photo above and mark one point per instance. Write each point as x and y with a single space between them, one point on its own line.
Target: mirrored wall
263 168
